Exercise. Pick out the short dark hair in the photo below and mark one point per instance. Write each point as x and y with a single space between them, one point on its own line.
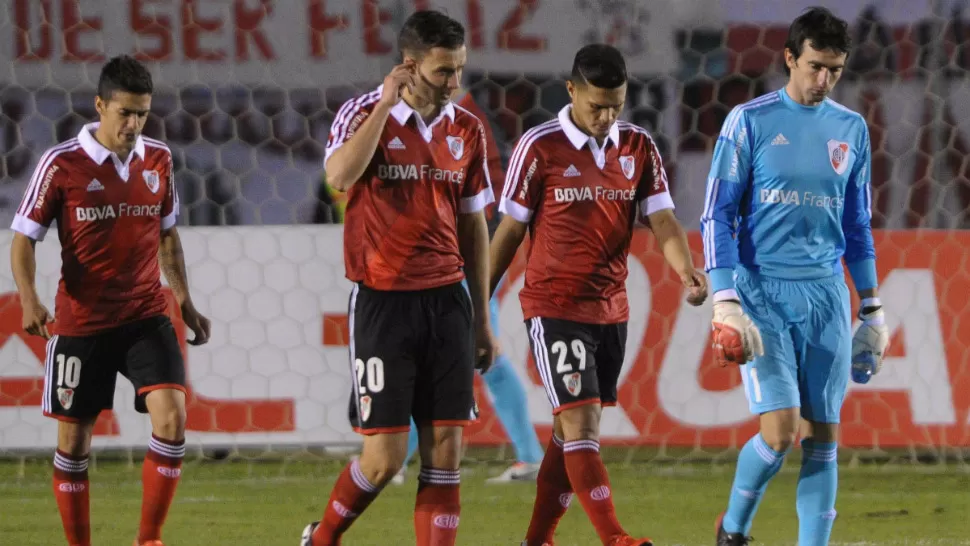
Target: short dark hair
599 65
428 29
822 29
124 73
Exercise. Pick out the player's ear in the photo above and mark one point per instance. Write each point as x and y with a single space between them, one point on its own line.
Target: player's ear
790 59
99 105
571 88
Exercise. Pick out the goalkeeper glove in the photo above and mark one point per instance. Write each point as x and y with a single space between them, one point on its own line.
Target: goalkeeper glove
736 339
871 339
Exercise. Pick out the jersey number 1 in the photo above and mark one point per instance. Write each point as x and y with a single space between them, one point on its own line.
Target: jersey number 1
68 371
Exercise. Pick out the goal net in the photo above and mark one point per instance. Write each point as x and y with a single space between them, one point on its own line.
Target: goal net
246 93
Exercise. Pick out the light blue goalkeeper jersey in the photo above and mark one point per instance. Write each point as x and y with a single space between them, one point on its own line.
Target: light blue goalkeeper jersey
788 193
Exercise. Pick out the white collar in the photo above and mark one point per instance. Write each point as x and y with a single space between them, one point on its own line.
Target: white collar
402 112
576 136
98 152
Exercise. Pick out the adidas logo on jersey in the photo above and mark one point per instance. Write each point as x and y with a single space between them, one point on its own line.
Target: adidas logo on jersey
395 144
780 140
571 172
95 185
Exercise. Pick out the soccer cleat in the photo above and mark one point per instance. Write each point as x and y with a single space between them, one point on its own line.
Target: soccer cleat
307 538
725 538
626 540
149 543
519 472
525 543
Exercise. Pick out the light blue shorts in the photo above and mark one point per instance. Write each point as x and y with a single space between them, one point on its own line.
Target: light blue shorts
807 331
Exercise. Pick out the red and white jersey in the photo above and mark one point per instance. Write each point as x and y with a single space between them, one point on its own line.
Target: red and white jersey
109 217
580 201
401 221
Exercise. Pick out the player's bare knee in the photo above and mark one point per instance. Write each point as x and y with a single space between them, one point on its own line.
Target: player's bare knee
441 447
779 429
383 456
166 407
75 438
581 423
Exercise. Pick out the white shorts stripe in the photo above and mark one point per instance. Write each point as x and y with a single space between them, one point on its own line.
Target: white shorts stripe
353 352
541 354
45 404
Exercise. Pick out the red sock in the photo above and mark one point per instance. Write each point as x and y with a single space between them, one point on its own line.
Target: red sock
71 491
592 484
351 495
437 507
553 495
159 478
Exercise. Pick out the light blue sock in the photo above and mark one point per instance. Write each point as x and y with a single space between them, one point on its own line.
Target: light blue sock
817 487
512 408
412 443
757 464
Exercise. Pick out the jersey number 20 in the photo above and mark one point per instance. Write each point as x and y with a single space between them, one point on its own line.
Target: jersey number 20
371 373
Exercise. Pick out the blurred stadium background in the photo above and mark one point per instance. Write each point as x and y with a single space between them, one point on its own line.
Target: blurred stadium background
246 92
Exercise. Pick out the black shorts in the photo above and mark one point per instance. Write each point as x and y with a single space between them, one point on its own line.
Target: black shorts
411 354
80 371
578 363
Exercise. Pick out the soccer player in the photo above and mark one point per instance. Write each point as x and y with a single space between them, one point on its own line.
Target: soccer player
112 193
510 399
578 183
414 165
788 197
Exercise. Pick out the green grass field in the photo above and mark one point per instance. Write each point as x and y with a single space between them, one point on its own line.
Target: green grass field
267 504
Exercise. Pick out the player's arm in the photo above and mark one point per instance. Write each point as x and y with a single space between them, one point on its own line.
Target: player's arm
872 338
521 195
347 157
41 205
171 260
860 253
656 210
736 339
473 245
729 177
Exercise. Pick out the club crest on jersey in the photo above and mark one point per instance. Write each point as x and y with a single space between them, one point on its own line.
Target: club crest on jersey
151 180
573 382
365 402
838 155
65 397
456 146
628 164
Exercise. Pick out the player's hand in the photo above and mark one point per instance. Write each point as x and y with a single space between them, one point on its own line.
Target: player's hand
696 283
736 339
196 322
401 77
486 348
872 338
36 318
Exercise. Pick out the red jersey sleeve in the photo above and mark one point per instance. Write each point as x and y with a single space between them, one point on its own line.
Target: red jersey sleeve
348 120
492 154
477 191
523 181
170 206
653 192
43 199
